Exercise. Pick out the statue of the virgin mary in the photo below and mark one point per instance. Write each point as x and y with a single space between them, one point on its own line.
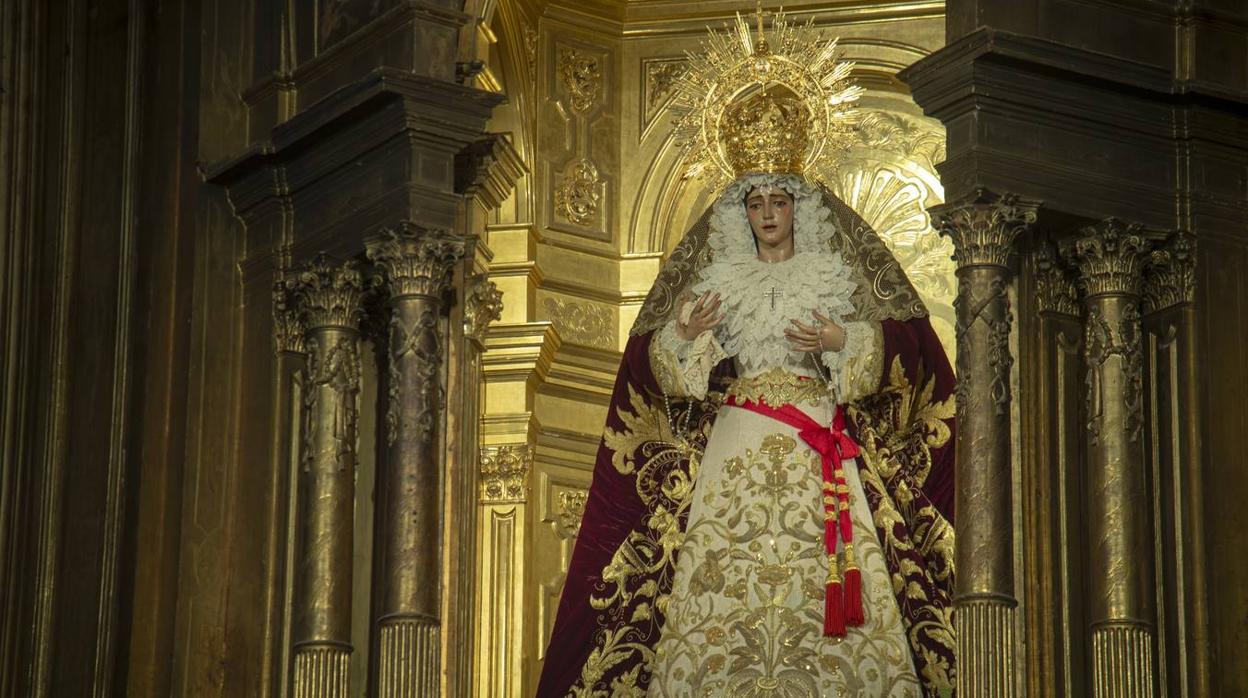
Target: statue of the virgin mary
772 502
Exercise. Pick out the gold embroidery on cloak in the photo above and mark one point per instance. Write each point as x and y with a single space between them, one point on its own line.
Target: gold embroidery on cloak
902 420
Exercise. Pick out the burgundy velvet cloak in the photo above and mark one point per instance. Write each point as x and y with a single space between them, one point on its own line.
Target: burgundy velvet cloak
611 612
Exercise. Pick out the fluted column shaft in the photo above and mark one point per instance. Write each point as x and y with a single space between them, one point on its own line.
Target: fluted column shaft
416 265
329 295
1111 258
983 230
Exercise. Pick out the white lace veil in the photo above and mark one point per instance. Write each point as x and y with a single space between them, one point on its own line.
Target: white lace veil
821 223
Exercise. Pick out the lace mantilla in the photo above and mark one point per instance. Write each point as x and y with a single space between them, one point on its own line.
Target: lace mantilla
731 234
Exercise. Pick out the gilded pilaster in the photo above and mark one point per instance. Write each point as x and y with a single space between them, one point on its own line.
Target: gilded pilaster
416 265
329 294
1111 257
506 470
983 229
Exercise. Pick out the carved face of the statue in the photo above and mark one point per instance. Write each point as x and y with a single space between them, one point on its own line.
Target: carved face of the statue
770 210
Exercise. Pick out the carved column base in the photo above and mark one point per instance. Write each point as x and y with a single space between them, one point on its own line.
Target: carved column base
985 628
322 671
407 666
1122 661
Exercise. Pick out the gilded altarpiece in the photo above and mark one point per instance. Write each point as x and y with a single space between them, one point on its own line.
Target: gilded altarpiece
575 249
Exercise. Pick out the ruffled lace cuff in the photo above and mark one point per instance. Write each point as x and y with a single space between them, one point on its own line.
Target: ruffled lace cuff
684 367
855 369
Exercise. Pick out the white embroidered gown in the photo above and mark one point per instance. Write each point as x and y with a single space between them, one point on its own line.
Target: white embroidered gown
745 616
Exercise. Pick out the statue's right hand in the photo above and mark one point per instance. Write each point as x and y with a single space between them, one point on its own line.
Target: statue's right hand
704 316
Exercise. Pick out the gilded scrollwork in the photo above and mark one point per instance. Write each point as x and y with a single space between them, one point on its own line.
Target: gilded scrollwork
658 85
1171 277
483 304
578 195
505 473
582 323
530 40
569 508
581 73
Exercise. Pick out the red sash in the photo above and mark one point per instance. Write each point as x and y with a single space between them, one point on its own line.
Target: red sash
843 603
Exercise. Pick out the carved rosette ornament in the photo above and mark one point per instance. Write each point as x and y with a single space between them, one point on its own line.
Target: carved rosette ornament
1111 258
1171 276
328 295
483 304
983 229
415 267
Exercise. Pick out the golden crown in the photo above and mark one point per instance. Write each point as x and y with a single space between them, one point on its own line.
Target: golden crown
743 106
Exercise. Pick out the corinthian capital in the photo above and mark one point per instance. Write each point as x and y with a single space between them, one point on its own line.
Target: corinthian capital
1055 289
417 261
483 304
505 473
1110 257
983 226
1171 277
329 292
288 326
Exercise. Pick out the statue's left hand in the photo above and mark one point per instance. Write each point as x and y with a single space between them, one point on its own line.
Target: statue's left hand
822 335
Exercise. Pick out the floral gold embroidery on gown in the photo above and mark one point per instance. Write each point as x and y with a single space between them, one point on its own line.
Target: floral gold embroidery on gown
745 615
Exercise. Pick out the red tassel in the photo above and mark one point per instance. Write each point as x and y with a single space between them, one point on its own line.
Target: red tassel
834 611
853 597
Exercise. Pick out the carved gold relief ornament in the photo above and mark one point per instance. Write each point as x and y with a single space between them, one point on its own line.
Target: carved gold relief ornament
747 104
569 509
581 74
578 197
505 473
582 323
483 304
1171 276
